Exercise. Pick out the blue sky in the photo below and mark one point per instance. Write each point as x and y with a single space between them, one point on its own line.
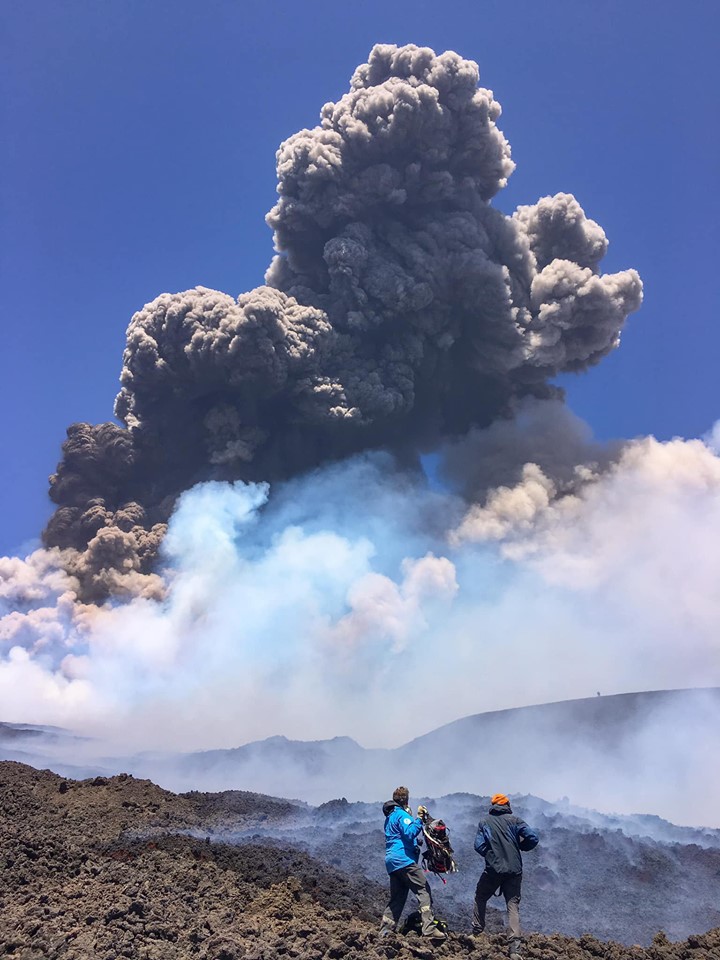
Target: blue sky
139 158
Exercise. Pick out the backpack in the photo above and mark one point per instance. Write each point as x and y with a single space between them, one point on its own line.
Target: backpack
437 856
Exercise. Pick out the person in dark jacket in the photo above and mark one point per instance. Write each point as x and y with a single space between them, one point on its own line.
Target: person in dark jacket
401 861
501 837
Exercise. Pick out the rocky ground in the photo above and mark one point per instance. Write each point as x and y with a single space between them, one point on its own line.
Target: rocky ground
118 867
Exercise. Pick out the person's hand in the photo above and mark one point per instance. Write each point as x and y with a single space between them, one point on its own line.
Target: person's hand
422 812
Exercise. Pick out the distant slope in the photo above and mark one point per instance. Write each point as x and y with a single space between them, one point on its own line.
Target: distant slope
605 720
653 752
630 752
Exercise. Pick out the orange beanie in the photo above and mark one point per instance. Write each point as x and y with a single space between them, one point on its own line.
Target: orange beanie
500 799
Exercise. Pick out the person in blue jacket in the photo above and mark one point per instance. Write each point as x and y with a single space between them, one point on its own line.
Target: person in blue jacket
501 837
402 850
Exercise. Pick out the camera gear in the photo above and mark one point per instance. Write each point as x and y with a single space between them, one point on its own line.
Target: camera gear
437 857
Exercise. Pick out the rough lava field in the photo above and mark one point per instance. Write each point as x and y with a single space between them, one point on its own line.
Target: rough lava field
117 867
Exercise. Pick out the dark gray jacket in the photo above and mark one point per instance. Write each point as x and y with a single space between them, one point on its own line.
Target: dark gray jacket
500 838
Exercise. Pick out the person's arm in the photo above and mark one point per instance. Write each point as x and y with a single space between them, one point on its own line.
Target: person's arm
527 838
409 826
482 840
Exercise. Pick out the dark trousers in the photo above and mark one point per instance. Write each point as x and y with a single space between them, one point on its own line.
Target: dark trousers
509 885
402 882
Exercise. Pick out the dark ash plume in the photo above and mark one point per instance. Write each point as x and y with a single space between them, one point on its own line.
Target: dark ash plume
401 309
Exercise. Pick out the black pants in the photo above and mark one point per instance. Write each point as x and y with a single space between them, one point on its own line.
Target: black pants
509 885
403 881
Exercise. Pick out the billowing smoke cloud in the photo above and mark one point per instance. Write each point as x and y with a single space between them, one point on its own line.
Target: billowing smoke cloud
401 309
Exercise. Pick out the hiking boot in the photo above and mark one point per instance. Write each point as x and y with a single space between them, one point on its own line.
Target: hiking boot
386 931
514 945
435 935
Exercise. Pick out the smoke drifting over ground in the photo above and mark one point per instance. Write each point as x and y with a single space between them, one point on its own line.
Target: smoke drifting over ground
257 548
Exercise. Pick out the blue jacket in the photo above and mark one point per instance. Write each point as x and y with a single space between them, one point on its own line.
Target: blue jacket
401 833
500 838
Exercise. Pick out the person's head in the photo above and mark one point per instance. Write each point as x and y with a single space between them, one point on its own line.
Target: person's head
499 800
401 796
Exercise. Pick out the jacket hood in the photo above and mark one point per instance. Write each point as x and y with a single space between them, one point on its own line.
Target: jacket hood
388 807
498 809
